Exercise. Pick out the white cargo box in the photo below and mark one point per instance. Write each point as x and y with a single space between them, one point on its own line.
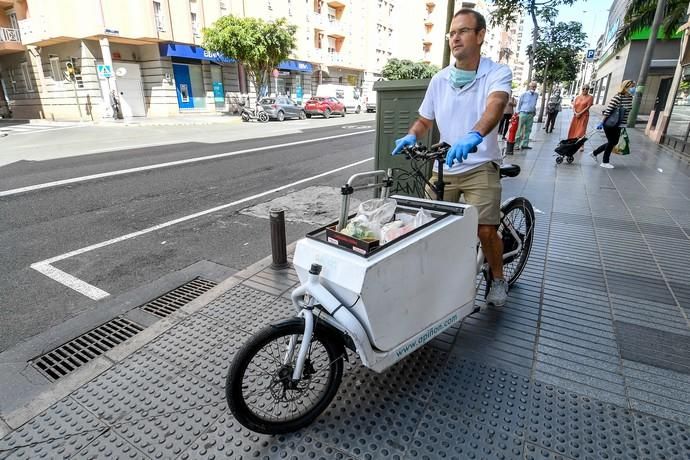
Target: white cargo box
408 284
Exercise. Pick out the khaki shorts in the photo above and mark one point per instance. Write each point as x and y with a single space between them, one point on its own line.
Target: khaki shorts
480 186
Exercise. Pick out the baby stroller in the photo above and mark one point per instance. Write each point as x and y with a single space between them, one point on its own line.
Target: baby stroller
567 148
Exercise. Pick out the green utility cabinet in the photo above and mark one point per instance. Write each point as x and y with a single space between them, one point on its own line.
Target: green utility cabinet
397 103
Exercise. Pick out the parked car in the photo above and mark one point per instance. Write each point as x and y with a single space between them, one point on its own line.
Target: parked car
325 106
348 95
282 107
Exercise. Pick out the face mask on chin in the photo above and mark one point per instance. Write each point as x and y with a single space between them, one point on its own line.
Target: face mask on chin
459 78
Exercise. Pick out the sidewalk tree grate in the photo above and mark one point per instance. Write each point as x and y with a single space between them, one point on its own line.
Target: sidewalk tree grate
172 301
67 358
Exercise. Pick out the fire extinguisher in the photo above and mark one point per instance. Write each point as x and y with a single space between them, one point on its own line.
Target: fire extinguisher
512 131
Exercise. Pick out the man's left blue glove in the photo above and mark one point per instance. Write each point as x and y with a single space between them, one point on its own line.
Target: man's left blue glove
463 147
407 141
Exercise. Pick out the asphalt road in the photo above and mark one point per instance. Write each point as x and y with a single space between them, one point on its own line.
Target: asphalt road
40 224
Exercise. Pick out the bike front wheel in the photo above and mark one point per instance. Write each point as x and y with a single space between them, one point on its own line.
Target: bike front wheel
517 231
259 388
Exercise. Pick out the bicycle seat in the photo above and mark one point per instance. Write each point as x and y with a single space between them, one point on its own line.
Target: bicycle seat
509 170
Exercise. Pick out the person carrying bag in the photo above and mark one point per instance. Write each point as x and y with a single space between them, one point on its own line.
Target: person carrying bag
616 114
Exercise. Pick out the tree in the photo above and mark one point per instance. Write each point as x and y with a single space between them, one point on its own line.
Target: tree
640 15
507 12
556 58
256 44
403 69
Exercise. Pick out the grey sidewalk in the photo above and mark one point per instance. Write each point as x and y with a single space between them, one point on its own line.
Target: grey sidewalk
590 358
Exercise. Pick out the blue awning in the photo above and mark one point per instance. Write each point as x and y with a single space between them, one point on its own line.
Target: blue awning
299 66
191 52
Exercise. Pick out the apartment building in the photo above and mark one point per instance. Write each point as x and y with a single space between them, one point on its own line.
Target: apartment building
68 59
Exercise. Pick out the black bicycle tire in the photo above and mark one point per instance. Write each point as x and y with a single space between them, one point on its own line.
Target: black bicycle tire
523 204
234 380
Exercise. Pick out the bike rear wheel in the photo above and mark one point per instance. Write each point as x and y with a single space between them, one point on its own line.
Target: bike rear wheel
263 117
259 387
517 225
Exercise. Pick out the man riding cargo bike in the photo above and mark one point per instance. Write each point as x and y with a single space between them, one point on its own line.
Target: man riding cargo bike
405 269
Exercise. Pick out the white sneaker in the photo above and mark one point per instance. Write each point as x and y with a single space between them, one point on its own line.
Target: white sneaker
607 165
498 293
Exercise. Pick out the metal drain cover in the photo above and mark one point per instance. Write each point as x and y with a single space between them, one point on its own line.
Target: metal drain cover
179 297
69 357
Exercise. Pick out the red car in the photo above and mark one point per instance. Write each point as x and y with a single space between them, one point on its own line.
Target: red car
325 106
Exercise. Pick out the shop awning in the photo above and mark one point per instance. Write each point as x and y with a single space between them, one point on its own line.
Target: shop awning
181 50
299 66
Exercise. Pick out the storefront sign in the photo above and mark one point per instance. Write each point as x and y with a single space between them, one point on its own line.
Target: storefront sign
191 52
299 66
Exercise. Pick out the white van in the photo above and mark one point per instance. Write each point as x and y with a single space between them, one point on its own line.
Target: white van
348 95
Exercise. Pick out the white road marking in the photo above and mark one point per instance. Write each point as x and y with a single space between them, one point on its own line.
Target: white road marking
45 267
70 281
120 172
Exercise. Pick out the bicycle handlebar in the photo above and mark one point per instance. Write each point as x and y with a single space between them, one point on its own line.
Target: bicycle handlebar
436 152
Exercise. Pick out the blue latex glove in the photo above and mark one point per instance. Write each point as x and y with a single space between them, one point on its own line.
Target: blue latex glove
467 144
600 125
407 141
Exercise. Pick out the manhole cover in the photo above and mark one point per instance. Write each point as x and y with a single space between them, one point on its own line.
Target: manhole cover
178 297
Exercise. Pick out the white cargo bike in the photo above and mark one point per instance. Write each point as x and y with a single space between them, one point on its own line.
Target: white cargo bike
382 305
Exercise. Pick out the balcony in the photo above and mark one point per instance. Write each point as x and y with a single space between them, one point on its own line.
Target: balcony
428 39
337 3
428 21
10 41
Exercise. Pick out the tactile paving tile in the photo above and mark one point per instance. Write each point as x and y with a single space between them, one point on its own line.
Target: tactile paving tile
369 421
243 308
661 439
456 437
535 452
416 375
579 427
62 419
484 394
144 386
188 342
213 367
110 445
169 435
57 448
228 439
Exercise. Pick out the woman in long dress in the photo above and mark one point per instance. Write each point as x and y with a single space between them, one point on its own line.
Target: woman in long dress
581 106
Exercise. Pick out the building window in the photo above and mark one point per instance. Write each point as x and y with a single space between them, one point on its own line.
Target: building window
27 76
158 14
195 25
55 72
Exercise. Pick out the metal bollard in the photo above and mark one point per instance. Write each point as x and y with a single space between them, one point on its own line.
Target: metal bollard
278 240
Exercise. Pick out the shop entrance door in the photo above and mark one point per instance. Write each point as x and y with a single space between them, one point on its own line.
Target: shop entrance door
183 85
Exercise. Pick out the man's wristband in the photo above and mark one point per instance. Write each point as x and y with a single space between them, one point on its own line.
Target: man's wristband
477 133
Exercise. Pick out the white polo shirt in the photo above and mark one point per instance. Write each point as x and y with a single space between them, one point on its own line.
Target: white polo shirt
456 111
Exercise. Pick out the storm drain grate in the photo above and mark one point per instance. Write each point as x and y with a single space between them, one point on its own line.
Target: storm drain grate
69 357
179 297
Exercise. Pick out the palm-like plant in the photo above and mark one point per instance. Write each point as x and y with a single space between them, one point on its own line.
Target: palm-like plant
640 14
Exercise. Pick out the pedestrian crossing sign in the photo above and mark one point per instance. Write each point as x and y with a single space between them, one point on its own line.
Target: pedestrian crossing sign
104 71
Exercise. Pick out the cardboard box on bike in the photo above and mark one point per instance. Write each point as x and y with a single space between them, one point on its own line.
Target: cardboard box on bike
410 283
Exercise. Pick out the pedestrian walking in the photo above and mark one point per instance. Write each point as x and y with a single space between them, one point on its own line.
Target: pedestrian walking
504 124
616 117
527 107
581 105
552 109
